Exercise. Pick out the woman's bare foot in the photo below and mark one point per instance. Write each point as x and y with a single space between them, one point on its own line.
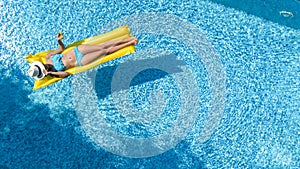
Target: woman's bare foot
135 40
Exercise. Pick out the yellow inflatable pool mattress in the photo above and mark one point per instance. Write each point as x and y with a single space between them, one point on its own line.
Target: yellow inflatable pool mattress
119 33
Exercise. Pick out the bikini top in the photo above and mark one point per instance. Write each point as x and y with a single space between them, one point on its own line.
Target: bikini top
57 62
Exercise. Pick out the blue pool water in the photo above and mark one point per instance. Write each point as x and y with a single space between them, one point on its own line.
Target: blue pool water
209 86
269 10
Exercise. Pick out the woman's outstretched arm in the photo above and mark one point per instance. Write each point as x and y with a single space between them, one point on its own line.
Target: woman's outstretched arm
60 49
57 74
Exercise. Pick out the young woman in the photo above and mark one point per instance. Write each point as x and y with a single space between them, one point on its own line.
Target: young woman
81 55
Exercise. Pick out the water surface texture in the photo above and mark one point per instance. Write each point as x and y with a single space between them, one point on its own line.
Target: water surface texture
209 86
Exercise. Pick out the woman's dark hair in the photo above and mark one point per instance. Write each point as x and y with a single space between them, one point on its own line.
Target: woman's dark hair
50 67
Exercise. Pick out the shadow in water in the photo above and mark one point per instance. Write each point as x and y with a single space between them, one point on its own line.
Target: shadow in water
3 167
147 70
29 138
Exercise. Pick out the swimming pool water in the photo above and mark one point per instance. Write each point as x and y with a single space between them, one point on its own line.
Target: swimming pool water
258 128
282 12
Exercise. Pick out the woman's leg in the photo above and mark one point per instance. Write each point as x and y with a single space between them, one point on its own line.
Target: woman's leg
85 49
90 57
115 42
113 49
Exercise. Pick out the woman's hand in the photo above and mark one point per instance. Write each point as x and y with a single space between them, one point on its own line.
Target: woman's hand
60 36
45 72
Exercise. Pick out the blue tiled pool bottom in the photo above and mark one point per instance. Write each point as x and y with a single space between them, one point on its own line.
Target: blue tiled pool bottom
259 126
281 12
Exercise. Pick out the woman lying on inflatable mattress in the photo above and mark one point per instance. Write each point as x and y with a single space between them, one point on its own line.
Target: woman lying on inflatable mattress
80 56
